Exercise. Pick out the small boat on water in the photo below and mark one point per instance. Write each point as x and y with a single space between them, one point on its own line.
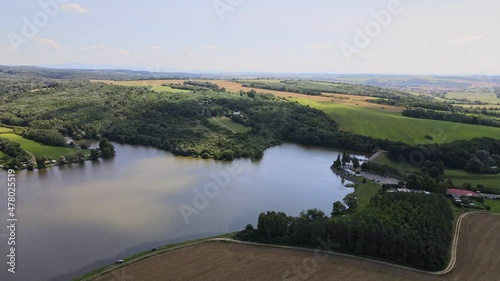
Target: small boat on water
350 184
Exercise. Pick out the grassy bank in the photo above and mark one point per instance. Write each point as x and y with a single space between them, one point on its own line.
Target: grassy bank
494 204
38 149
460 177
365 191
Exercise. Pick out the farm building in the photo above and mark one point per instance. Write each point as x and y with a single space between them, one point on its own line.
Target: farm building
452 192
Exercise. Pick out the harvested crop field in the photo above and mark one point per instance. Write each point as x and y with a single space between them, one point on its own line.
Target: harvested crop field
477 260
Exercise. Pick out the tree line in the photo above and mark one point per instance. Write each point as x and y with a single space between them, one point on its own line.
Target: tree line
460 154
405 228
450 116
13 153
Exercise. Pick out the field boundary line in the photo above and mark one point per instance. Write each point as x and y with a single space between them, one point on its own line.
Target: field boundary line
224 125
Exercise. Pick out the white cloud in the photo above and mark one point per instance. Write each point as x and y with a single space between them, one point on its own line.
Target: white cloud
156 47
188 51
48 42
466 40
212 48
422 43
75 8
102 47
320 46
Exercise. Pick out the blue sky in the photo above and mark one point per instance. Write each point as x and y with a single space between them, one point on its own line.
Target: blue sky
411 37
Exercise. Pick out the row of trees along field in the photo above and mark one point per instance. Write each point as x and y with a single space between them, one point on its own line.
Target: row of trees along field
405 228
13 153
450 116
315 88
481 155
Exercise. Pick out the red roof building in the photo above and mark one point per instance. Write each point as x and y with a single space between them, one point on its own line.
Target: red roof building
461 192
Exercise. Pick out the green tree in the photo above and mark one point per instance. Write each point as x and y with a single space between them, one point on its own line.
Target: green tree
355 163
40 162
351 201
345 158
107 149
312 215
337 163
95 154
466 201
338 208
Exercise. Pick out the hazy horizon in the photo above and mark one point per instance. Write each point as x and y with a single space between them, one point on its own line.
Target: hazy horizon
237 36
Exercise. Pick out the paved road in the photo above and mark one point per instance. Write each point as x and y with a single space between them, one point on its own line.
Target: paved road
378 178
374 156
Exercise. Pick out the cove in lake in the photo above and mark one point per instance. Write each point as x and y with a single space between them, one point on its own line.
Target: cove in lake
75 219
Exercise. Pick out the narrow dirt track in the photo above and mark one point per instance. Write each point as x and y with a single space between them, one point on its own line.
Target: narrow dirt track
477 260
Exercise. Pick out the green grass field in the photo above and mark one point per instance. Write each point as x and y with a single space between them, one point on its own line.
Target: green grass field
227 122
473 96
365 191
391 125
160 88
4 130
39 149
460 177
494 204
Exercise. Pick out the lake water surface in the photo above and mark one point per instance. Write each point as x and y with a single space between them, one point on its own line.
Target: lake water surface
76 219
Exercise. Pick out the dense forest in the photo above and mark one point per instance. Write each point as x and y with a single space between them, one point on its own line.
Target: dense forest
46 136
171 121
406 228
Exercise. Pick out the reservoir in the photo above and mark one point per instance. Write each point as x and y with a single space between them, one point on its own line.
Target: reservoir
72 220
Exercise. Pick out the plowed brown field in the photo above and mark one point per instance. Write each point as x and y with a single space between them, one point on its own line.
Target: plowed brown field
477 260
